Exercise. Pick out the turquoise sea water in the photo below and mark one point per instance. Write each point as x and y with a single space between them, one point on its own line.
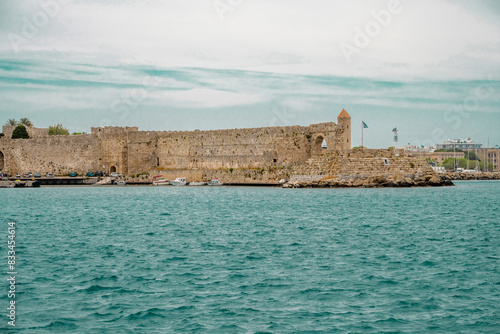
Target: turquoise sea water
254 260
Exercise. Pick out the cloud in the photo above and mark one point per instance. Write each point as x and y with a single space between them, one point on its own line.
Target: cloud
296 37
206 98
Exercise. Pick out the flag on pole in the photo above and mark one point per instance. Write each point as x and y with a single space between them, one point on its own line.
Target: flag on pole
364 125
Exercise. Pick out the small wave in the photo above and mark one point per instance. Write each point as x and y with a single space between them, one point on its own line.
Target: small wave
310 290
61 324
97 288
152 313
254 257
428 263
295 244
184 307
392 320
175 258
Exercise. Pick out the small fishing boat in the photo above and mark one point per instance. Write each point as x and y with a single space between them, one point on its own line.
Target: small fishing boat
197 184
215 182
121 183
159 180
180 181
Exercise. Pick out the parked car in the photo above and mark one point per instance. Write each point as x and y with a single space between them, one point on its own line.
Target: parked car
99 173
115 174
73 174
18 176
50 175
90 174
38 175
29 174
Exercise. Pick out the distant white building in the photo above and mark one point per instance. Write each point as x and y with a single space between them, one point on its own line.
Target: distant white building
462 144
419 148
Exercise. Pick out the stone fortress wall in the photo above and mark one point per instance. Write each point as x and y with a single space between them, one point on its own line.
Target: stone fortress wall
128 150
252 155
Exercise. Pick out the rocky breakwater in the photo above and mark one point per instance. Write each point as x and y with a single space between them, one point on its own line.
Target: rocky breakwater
397 180
473 176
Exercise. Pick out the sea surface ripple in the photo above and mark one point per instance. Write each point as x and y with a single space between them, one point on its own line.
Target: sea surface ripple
254 260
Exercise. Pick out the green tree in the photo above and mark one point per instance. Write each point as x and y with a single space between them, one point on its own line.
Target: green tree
1 134
25 121
462 163
11 122
470 155
20 132
58 130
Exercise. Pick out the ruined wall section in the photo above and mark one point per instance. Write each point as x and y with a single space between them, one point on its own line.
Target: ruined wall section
113 148
362 163
235 148
142 151
58 154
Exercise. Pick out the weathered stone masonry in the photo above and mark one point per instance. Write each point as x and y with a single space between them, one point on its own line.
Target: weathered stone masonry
127 150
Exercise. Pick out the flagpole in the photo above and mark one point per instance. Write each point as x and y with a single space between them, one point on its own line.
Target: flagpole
362 127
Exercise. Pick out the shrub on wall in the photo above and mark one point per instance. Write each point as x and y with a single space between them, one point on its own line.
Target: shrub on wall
20 132
58 130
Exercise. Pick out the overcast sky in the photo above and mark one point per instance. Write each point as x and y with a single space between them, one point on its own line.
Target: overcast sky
429 67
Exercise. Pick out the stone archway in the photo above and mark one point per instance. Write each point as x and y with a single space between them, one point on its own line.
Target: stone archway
317 144
2 161
112 169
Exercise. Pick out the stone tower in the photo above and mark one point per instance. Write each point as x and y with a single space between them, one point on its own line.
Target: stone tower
344 130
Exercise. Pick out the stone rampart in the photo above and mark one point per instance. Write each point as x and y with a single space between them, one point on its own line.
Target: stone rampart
248 155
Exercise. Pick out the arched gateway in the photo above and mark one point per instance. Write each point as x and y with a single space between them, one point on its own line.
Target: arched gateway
2 161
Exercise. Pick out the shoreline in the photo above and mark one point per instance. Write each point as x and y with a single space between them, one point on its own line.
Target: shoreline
397 180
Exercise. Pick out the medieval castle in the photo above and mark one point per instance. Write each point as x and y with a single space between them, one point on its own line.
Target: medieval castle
263 155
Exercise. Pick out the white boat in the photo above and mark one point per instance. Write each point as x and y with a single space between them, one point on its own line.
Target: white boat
180 181
121 183
215 182
197 184
159 180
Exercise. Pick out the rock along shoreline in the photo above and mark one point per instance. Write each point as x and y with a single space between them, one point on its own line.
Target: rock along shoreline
377 181
393 181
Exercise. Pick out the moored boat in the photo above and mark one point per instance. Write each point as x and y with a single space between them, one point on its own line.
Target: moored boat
197 184
7 184
215 182
180 181
121 183
159 180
